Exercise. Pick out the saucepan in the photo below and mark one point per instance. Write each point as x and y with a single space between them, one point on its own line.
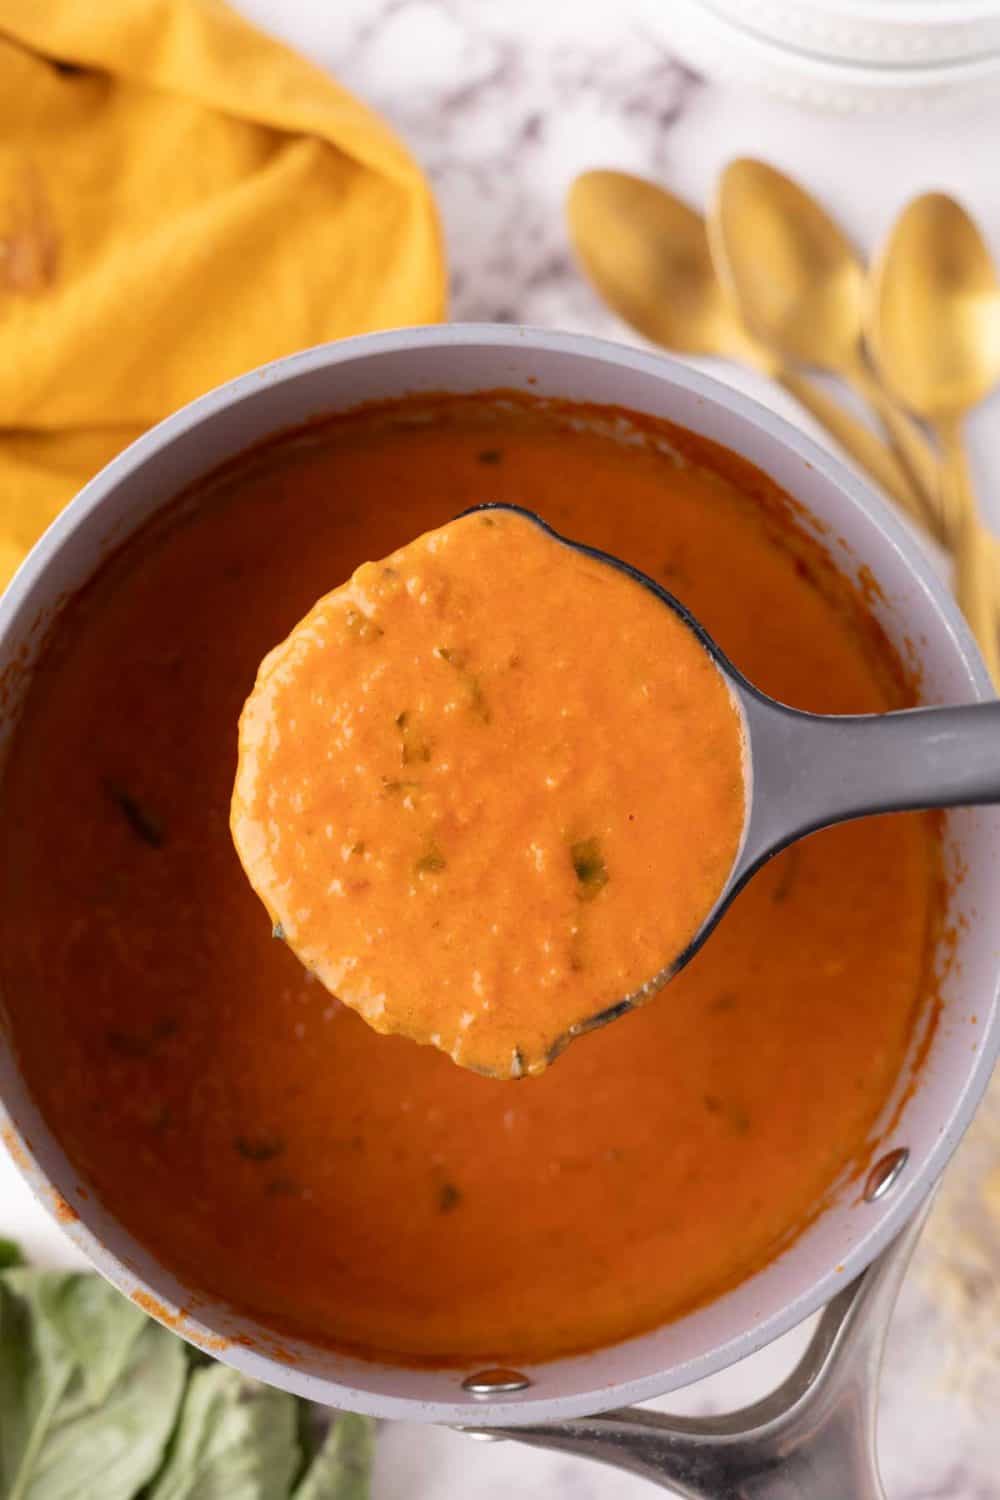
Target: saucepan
815 1435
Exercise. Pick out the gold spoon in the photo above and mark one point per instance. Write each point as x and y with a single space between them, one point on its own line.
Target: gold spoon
647 254
800 287
935 331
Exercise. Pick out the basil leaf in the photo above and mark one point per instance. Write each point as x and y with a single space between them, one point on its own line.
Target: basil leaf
55 1443
229 1444
109 1452
97 1402
96 1324
35 1370
342 1469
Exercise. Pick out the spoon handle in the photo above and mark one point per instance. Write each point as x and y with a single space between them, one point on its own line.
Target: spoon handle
813 770
976 585
910 446
976 588
867 450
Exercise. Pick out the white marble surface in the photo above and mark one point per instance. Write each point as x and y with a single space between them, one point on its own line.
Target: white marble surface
504 103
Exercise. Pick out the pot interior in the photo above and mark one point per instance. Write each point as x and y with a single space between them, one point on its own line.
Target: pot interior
931 1108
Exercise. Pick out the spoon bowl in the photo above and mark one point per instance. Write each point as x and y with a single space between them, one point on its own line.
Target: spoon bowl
794 273
935 310
800 286
934 322
647 254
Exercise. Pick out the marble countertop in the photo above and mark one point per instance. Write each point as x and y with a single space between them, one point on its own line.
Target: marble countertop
504 104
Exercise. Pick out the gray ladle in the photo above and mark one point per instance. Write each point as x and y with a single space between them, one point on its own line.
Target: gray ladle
814 1437
807 771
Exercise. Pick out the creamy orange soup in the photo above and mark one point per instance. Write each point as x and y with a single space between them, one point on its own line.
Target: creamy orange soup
488 789
357 1189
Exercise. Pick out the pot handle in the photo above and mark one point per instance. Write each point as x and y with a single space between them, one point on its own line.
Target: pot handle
811 1439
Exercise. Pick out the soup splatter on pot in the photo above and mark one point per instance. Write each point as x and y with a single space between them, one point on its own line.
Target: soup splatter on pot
360 1190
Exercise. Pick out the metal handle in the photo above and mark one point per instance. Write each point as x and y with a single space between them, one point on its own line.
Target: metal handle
811 1439
812 770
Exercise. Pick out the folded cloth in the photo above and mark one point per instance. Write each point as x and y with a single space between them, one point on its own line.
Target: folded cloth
181 199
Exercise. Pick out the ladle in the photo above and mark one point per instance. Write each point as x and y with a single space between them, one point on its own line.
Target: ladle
807 771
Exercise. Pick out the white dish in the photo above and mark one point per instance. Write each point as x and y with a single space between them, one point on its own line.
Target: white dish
886 33
722 47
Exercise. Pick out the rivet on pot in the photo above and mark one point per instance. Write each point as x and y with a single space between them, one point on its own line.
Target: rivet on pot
486 1383
885 1173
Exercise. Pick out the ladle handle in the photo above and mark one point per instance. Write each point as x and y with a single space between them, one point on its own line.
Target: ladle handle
812 770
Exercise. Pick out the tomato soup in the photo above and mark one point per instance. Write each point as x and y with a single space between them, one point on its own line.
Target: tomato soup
357 1189
489 789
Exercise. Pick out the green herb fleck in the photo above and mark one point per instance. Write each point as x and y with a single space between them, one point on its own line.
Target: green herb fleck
392 788
160 1117
141 1043
283 1187
362 627
735 1116
415 747
477 698
722 1003
789 868
675 571
430 863
144 824
589 866
278 932
264 1146
449 1197
10 1255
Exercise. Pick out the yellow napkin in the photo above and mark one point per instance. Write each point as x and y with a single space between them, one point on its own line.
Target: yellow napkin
181 198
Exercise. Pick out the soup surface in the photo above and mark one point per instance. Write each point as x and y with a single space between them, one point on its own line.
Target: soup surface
361 1190
488 789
